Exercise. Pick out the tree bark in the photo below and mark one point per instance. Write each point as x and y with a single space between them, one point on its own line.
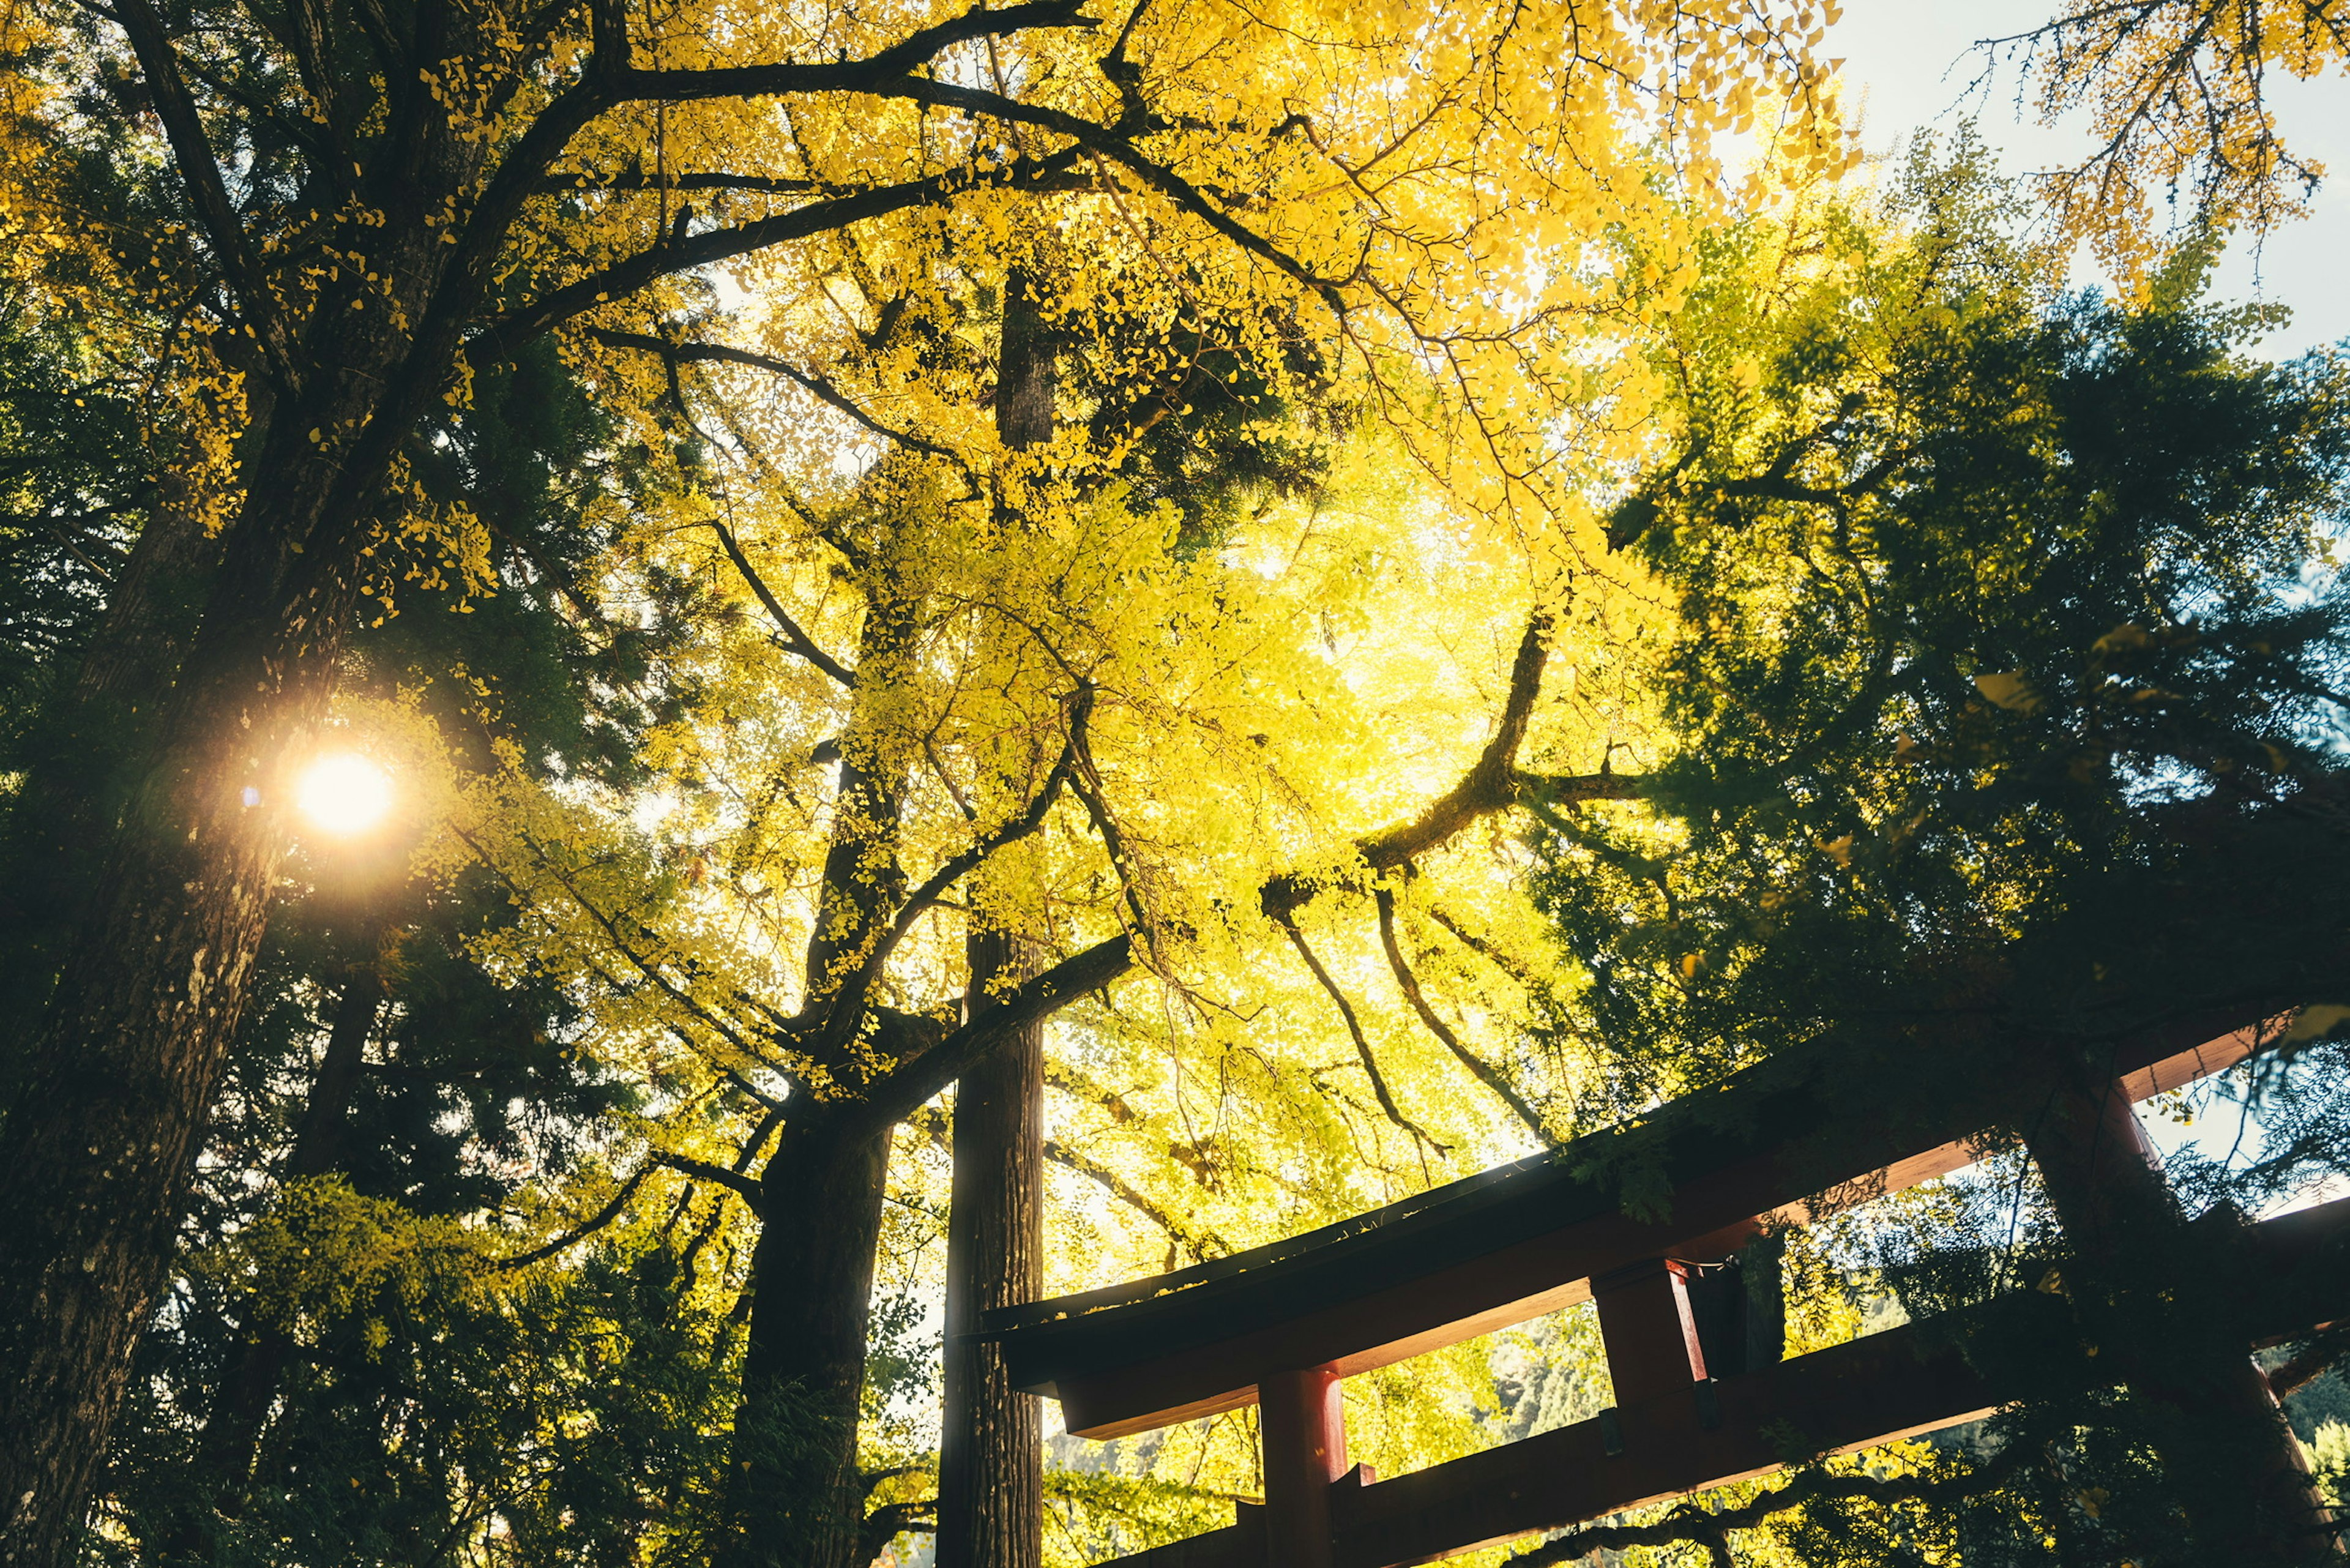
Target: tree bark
99 1143
87 740
798 1500
990 1452
107 1111
2235 1468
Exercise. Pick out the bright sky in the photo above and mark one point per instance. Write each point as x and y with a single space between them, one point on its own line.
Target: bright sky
1911 60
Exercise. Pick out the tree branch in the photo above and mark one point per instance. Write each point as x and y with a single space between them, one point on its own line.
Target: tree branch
1489 786
894 1097
504 334
822 389
746 1187
207 190
1487 1074
796 639
1354 1029
1117 1186
960 865
603 1217
871 74
1692 1522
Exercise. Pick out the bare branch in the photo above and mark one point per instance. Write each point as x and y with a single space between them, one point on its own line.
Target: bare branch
746 1187
603 1217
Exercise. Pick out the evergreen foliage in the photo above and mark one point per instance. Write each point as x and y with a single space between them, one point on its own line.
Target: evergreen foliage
2008 721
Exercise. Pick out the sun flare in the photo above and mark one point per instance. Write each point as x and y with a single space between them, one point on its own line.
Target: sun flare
345 794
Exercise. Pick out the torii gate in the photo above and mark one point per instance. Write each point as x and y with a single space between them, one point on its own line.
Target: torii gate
1281 1325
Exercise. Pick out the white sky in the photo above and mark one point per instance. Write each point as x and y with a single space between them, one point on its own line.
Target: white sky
1908 65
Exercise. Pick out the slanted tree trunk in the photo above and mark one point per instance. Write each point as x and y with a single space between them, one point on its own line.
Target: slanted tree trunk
798 1498
991 1456
2235 1468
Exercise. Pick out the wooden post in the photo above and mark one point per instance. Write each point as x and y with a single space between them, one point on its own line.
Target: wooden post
1303 1426
1649 1332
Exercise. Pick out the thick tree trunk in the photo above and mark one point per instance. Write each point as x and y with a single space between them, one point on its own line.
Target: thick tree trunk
2234 1466
991 1457
108 1102
798 1500
108 1108
87 739
991 1460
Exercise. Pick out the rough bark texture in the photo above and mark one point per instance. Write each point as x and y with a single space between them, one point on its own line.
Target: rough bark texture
87 740
2239 1473
98 1147
107 1107
799 1500
990 1456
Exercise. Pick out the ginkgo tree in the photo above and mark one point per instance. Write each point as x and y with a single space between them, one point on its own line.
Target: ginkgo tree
346 213
1087 739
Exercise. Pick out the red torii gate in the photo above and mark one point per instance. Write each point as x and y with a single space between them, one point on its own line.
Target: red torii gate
1281 1325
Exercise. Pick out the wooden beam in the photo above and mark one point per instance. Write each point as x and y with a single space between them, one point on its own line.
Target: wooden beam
1649 1331
1373 1296
1901 1383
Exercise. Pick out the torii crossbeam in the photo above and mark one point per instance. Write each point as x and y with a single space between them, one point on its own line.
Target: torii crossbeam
1281 1325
